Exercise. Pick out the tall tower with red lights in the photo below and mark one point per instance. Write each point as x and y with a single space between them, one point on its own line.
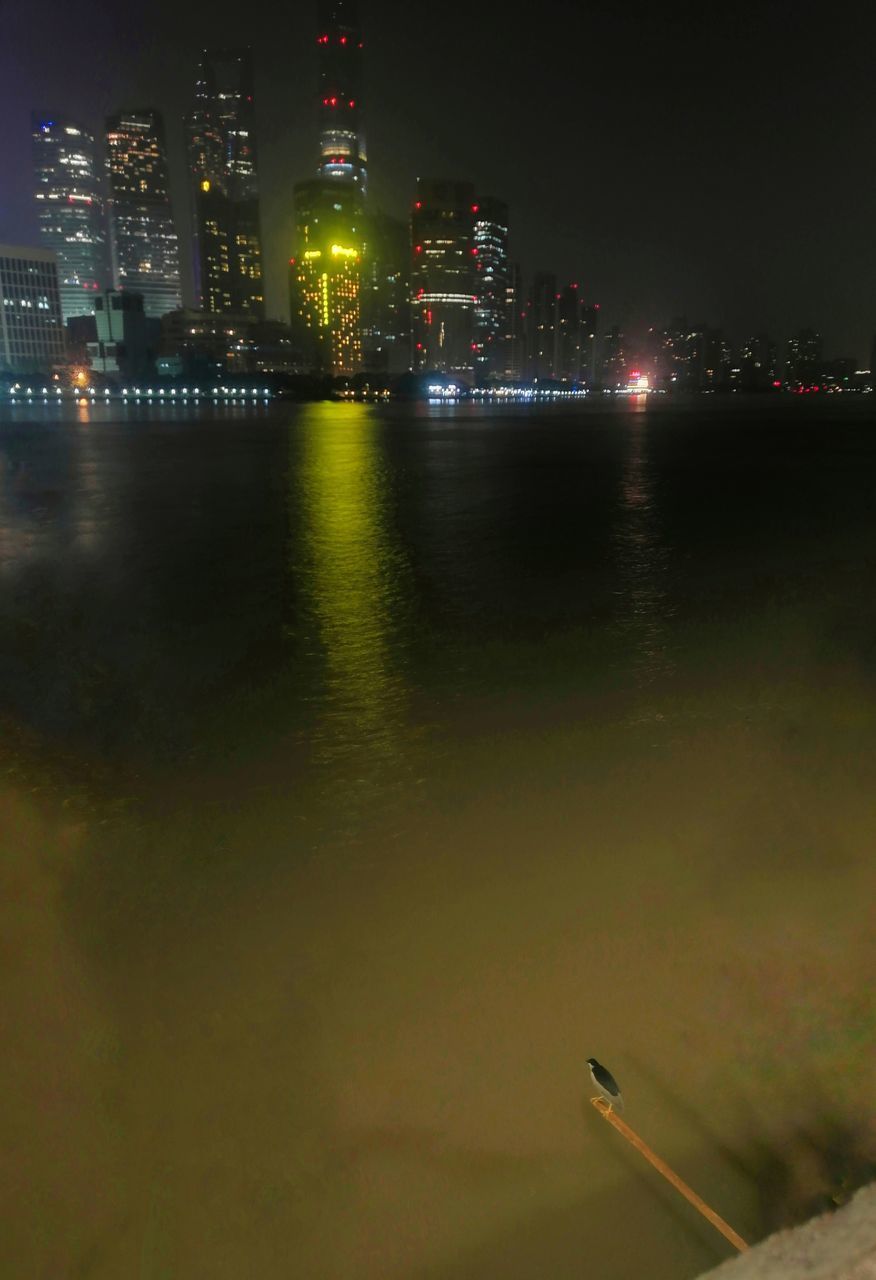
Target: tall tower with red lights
329 209
342 155
326 271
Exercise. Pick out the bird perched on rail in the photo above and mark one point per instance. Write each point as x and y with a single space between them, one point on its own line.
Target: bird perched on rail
606 1084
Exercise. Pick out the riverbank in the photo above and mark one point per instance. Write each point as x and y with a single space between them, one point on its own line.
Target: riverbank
836 1246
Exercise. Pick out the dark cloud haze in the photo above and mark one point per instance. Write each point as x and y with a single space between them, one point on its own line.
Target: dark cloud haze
695 159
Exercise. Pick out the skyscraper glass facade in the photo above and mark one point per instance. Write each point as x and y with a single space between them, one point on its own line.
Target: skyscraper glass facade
443 277
70 209
385 295
31 326
145 246
491 280
223 167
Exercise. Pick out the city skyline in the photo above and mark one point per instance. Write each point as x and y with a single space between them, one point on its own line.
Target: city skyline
672 194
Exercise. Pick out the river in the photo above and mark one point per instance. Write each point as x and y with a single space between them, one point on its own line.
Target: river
367 769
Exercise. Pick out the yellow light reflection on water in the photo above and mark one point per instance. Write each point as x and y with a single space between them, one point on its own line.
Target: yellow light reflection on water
356 585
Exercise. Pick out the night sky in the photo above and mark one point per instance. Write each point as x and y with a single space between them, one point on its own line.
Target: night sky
689 159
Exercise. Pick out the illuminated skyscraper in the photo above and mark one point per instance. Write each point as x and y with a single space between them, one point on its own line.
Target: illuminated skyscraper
341 141
325 275
491 287
145 247
70 209
325 279
443 277
223 166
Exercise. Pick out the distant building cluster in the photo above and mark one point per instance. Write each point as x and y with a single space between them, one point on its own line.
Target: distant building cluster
110 237
373 298
697 358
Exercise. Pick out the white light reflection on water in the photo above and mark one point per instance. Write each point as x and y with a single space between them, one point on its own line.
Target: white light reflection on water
642 554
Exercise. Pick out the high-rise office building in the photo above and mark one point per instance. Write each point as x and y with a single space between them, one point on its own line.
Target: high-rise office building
515 325
145 247
443 277
575 328
589 336
570 344
491 281
341 140
385 310
223 167
614 360
31 324
325 275
70 209
541 326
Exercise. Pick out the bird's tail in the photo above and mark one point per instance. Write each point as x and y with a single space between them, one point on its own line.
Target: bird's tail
617 1104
